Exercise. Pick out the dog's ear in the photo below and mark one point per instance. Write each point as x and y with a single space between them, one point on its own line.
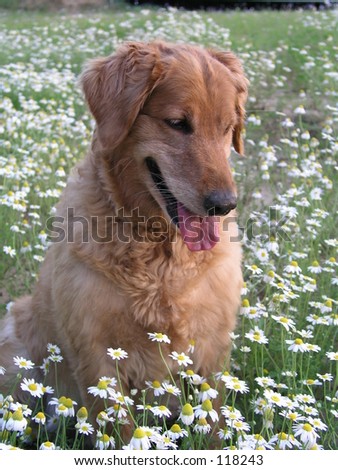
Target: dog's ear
116 88
241 83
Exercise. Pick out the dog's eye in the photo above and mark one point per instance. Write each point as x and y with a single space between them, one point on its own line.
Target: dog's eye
181 125
227 129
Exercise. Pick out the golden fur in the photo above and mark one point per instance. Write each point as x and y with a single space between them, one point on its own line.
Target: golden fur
90 295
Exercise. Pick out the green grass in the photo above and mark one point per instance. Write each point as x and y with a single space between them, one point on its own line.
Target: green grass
286 185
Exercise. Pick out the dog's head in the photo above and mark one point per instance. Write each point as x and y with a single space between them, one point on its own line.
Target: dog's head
172 113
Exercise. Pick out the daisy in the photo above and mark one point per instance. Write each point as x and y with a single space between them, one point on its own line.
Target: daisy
156 387
265 381
120 399
187 415
296 345
82 414
139 441
304 398
257 336
53 348
159 337
262 255
231 413
34 388
317 423
102 387
238 425
103 441
315 268
283 441
333 356
118 410
103 418
84 428
15 421
275 398
225 433
2 370
202 426
272 245
254 269
171 389
161 411
325 377
245 307
63 406
237 385
191 377
312 347
299 110
47 445
206 409
311 382
117 354
284 321
23 363
176 432
293 268
206 392
306 433
39 418
293 416
182 359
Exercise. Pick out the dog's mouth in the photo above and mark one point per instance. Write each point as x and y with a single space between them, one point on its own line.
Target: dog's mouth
198 232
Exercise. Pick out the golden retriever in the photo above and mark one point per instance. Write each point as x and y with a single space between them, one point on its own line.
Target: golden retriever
145 237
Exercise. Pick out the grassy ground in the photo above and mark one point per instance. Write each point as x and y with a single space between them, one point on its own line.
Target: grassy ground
286 348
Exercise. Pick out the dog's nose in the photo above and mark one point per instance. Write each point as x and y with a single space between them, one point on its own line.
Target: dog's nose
220 202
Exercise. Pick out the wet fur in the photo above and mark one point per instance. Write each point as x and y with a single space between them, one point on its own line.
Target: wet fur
90 295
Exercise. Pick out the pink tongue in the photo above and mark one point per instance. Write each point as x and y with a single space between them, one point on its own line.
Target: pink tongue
198 233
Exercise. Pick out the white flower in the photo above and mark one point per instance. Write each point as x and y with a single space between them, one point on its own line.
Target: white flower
15 421
159 337
257 336
296 345
2 370
284 321
333 356
275 398
283 441
206 409
306 433
206 392
117 354
156 387
265 382
182 358
176 432
9 251
102 387
293 268
171 389
23 363
84 428
47 445
103 441
187 415
299 110
34 388
139 441
63 406
161 411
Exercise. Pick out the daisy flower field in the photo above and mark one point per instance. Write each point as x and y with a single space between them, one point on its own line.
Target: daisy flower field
280 391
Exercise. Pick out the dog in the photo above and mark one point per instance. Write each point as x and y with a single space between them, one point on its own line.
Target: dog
145 236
